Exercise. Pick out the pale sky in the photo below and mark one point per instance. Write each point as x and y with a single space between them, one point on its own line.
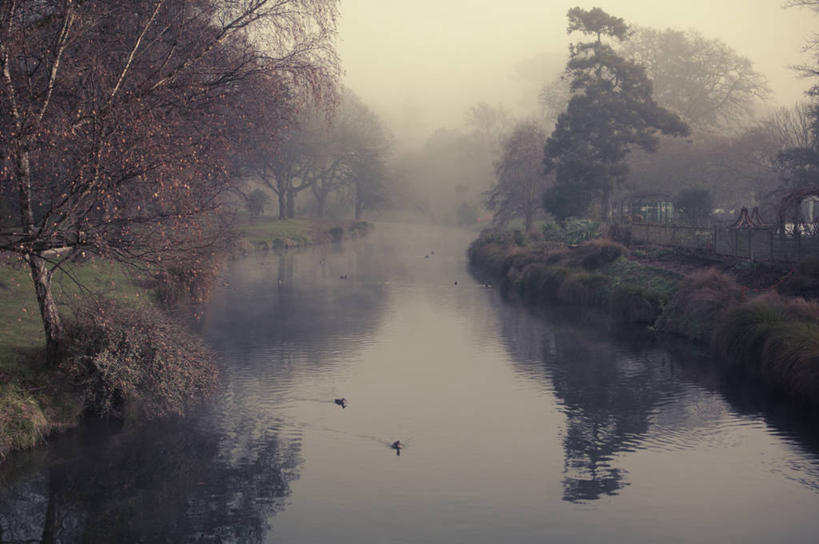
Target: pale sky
421 63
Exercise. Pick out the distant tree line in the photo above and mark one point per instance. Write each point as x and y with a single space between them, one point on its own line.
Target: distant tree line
342 151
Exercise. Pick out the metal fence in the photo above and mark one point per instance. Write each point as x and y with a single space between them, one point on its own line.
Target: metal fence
758 244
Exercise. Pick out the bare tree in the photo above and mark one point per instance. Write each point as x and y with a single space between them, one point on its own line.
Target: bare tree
790 126
521 181
368 145
488 123
115 138
703 80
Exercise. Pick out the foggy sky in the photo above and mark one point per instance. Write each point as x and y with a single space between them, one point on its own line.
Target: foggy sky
420 64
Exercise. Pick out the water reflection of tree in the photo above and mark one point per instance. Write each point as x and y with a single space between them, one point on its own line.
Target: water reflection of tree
222 477
296 304
608 393
606 409
173 484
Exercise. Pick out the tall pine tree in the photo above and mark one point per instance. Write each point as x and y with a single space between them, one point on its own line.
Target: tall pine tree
610 111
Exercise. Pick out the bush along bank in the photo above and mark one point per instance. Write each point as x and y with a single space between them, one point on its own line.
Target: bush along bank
767 335
262 233
127 352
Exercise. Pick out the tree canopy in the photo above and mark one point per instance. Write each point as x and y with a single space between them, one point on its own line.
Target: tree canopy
703 80
799 164
119 120
610 111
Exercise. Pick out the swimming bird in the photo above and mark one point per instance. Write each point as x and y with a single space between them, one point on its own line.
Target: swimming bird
397 445
341 402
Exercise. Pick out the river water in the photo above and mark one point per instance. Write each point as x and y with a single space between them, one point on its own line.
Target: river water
518 427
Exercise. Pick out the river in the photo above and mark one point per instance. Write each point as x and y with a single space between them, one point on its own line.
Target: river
518 426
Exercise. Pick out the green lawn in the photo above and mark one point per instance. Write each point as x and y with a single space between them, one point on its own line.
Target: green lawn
257 230
21 329
34 401
624 271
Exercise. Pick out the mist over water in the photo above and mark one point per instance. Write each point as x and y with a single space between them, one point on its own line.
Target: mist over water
517 427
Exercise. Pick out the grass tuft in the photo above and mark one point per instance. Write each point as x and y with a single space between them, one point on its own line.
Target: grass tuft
698 303
22 422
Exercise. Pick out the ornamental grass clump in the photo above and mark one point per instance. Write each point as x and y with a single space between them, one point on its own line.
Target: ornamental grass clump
702 297
583 288
137 356
22 422
597 253
776 339
633 304
539 282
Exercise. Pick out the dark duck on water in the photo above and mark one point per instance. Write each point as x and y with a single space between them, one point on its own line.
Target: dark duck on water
397 446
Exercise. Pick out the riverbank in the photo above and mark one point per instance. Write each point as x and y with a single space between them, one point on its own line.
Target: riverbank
746 314
263 233
36 400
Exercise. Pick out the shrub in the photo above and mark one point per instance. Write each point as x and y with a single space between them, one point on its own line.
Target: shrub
22 422
539 282
574 231
359 228
634 304
776 339
700 299
256 201
180 284
600 252
336 234
517 259
487 253
503 238
583 288
119 354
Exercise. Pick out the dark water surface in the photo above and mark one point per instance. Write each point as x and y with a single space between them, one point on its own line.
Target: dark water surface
518 428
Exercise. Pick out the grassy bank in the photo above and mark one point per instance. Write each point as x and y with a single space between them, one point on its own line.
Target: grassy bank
758 332
268 233
595 273
36 400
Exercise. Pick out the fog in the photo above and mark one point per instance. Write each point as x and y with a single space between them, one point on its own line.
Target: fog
420 65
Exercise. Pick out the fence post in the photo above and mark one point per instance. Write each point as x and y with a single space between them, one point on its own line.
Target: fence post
736 243
750 244
799 250
771 245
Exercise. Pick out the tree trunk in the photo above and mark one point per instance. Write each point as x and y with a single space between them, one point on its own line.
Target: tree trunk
282 207
527 221
320 202
40 275
291 204
52 324
605 205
